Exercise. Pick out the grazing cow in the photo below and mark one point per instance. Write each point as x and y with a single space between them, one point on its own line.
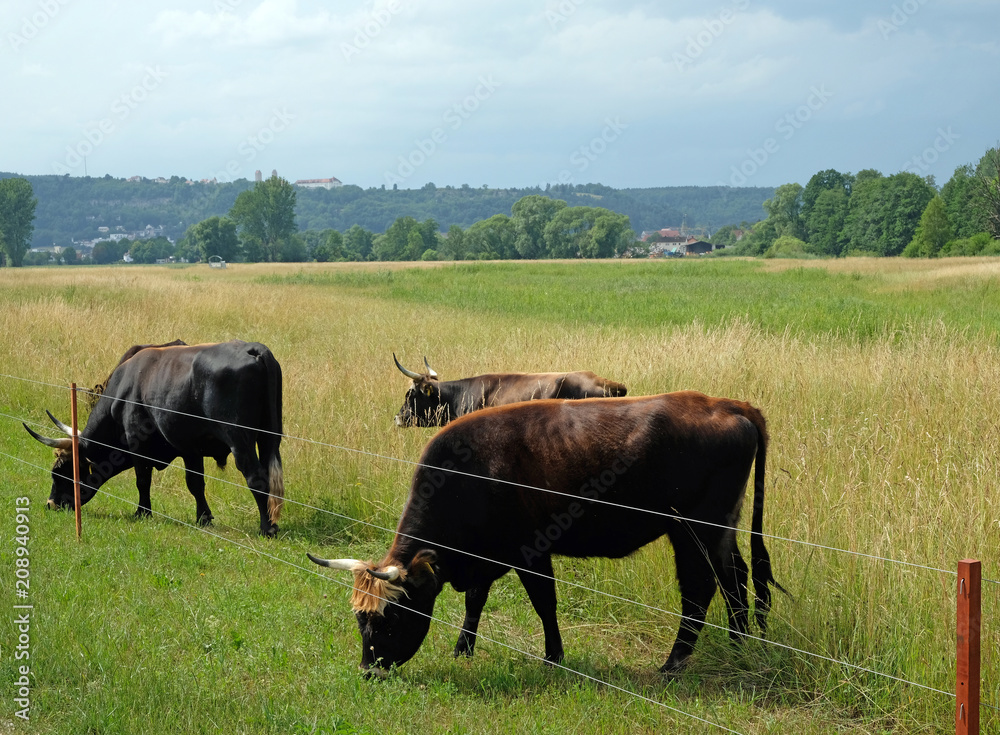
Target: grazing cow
508 487
182 401
433 402
98 389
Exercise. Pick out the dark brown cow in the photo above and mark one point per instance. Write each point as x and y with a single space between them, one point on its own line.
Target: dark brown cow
219 399
434 402
475 511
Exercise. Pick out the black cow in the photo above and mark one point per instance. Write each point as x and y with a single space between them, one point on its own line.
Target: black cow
508 487
182 401
433 402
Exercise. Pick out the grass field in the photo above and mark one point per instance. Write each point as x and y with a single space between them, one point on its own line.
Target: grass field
878 378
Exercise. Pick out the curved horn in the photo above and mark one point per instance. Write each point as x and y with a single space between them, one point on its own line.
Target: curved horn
430 370
408 373
391 574
350 565
54 443
67 430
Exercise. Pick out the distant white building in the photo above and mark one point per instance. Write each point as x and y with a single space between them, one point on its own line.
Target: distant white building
331 183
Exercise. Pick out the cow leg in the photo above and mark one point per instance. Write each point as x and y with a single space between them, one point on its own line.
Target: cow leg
697 582
542 593
143 481
194 476
257 480
475 600
732 575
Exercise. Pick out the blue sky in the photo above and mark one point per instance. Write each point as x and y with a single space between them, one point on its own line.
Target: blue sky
513 93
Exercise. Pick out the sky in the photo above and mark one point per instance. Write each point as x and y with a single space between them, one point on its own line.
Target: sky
502 94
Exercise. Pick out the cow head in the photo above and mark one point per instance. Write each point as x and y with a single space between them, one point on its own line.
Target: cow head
422 405
393 605
62 471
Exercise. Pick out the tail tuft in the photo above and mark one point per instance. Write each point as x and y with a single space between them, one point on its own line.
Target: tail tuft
276 490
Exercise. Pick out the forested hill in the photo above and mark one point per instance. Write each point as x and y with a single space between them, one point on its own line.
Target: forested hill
74 208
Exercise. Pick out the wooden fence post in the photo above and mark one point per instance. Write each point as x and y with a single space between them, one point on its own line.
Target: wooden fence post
76 460
969 623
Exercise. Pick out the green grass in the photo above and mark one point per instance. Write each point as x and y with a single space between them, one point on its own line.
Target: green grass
878 380
804 301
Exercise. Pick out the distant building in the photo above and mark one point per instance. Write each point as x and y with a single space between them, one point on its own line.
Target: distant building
331 183
257 176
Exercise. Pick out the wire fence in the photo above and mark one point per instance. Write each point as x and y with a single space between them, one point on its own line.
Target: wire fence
375 455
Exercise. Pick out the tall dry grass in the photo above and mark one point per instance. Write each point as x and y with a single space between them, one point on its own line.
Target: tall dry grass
886 447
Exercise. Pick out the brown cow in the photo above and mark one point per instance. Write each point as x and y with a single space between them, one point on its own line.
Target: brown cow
506 488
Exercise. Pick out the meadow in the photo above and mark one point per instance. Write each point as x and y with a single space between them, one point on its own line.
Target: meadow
878 379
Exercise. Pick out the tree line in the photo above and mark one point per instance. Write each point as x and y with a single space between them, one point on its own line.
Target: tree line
840 214
74 209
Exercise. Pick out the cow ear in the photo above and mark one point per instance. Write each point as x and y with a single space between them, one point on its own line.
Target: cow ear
423 569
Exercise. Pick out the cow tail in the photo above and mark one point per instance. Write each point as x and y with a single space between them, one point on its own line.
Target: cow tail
269 444
760 560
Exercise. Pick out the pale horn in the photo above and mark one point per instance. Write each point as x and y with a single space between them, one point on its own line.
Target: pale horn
408 373
430 370
64 444
350 565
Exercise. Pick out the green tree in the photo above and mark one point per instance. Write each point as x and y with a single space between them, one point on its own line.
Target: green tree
610 236
265 218
17 217
215 236
330 249
110 251
453 245
986 192
492 239
785 210
829 180
69 256
884 211
786 246
394 243
151 249
959 200
358 243
724 237
531 215
826 220
932 233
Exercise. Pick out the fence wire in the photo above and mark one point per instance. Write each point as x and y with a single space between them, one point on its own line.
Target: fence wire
618 598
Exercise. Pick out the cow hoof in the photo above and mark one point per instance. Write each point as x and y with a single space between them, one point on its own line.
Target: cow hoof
464 648
672 669
554 659
143 513
270 532
205 520
374 672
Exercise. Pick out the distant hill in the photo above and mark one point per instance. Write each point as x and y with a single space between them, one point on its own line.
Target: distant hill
77 208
